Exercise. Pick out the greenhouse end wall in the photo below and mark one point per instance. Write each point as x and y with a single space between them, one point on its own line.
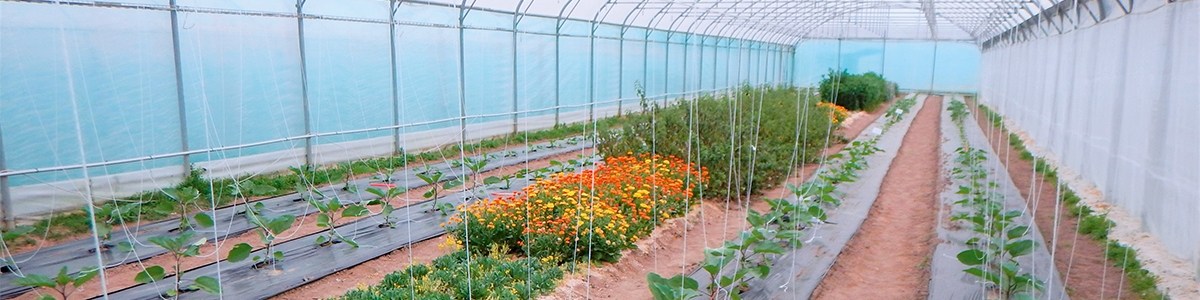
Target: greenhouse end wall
243 87
1116 103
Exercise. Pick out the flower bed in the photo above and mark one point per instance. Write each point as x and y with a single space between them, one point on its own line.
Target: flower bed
590 215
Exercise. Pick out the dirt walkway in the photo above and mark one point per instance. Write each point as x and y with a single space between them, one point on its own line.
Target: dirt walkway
889 256
1079 259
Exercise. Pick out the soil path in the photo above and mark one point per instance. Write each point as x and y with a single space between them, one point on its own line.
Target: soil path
678 245
888 257
1079 259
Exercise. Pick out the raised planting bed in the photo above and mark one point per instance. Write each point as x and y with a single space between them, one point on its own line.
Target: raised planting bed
315 255
129 246
980 192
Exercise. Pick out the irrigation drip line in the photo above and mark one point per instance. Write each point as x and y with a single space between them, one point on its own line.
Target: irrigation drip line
81 253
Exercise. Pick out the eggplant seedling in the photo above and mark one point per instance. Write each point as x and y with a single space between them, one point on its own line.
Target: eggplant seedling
329 212
384 202
180 247
433 180
268 230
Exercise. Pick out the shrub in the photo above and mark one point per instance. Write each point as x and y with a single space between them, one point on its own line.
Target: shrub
757 129
492 277
856 91
592 214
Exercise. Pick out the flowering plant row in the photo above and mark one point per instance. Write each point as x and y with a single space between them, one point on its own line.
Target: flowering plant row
589 215
837 113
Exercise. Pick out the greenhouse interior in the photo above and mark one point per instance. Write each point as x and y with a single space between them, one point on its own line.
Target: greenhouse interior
607 149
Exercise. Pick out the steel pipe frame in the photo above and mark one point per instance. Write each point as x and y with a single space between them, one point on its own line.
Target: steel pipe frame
393 7
308 136
5 197
308 142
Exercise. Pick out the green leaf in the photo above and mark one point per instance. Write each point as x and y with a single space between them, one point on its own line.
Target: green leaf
34 280
429 193
281 223
769 247
125 246
151 274
204 220
491 180
278 255
323 220
84 276
1019 248
208 285
985 275
240 252
355 211
972 257
452 184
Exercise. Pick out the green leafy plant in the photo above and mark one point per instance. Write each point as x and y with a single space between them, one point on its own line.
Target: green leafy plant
476 165
856 91
769 236
493 276
179 247
1001 239
434 180
385 205
268 230
756 128
64 283
1093 224
329 212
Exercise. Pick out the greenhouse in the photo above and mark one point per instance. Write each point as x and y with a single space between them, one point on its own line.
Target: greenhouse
609 149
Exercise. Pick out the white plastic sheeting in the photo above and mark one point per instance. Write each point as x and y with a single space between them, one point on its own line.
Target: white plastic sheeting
1116 102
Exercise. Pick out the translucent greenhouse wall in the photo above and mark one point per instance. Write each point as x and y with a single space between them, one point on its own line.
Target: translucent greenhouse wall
87 85
911 64
1117 103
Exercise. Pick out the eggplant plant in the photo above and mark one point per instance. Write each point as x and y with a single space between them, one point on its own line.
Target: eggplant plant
384 202
268 230
64 283
329 212
346 170
434 180
506 179
1000 240
179 247
770 235
476 166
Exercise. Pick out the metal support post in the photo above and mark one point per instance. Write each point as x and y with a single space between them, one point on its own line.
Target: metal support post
557 71
5 197
183 134
308 141
592 73
687 43
667 71
462 73
621 71
515 107
392 8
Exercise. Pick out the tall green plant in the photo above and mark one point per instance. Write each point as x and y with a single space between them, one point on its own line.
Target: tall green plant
752 131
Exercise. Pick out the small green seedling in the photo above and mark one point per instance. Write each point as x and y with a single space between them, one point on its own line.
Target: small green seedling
384 202
432 180
180 246
268 230
329 212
